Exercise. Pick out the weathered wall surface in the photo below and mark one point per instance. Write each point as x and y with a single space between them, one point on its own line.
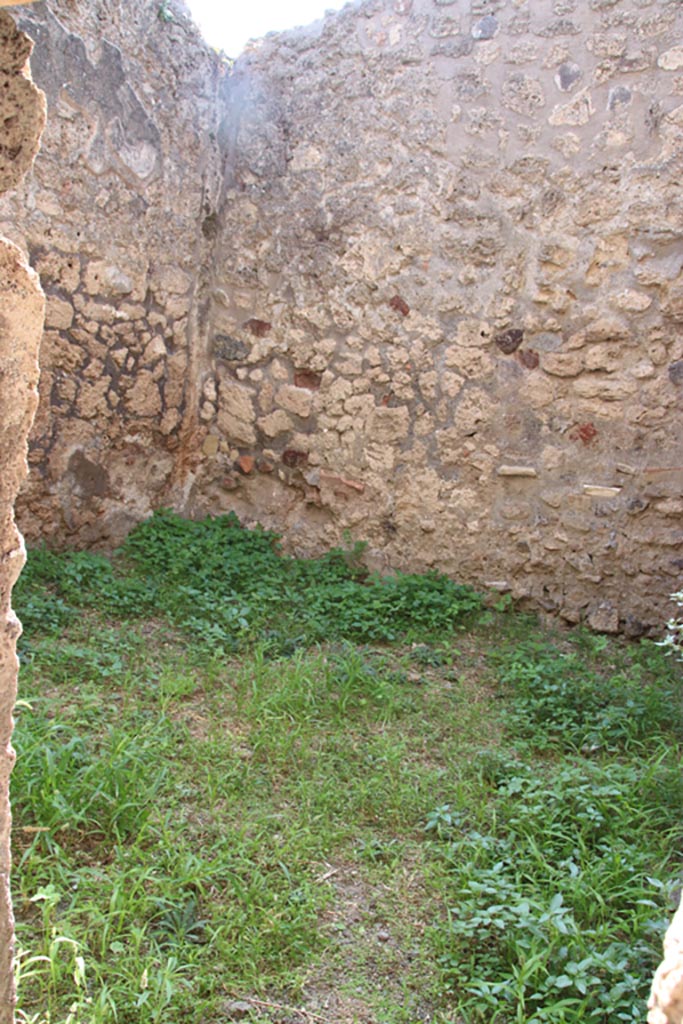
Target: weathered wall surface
22 114
447 300
116 216
414 272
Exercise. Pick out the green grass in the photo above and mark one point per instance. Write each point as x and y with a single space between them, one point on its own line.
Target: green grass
247 777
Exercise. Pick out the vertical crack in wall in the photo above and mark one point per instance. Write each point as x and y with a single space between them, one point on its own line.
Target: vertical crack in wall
212 169
22 113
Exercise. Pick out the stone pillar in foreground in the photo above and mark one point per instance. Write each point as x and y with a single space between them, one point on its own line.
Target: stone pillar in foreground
22 115
666 1001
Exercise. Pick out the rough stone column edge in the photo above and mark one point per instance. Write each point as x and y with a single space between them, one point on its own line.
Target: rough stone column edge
666 1001
22 309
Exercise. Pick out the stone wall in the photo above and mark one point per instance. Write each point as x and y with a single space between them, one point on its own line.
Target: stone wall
22 115
447 299
117 216
414 273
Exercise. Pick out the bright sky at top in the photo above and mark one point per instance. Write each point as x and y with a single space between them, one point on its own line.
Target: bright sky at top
229 24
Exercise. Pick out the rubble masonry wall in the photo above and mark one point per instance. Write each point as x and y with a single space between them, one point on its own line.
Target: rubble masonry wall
412 273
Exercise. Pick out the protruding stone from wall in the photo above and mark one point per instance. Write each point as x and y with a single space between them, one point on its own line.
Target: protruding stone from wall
21 324
666 1001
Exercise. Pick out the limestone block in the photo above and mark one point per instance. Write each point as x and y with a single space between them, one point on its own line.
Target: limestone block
58 268
387 425
170 421
177 307
272 426
279 370
575 113
156 349
359 405
517 471
211 445
469 362
632 302
608 390
209 389
428 382
236 399
606 328
670 507
174 385
671 60
298 401
601 491
61 354
604 618
238 431
452 384
97 312
144 398
562 364
609 254
609 358
266 397
672 302
474 333
58 314
106 279
643 370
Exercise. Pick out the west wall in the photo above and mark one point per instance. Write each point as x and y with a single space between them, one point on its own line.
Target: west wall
412 273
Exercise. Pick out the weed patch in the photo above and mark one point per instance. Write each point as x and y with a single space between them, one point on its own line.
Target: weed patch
246 779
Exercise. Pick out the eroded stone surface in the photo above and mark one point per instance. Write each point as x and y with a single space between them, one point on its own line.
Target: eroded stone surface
666 1001
21 321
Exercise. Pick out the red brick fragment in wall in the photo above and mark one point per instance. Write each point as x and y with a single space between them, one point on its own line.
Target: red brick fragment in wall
259 328
332 479
400 305
245 464
584 432
308 379
293 458
528 358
